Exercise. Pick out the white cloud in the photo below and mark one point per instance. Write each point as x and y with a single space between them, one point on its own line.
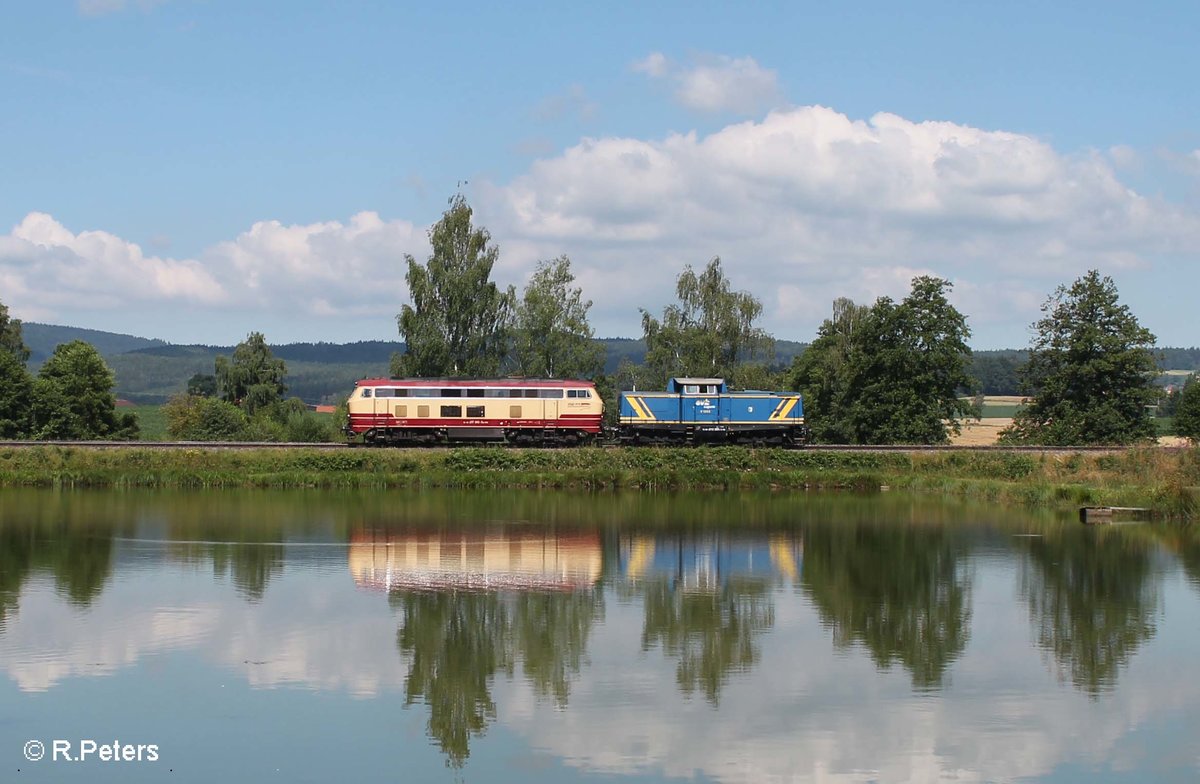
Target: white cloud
101 7
808 204
803 206
717 83
327 269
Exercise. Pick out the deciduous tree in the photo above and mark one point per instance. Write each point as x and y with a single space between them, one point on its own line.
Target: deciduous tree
1187 410
457 324
11 340
73 397
16 397
253 378
1090 371
890 373
708 332
551 334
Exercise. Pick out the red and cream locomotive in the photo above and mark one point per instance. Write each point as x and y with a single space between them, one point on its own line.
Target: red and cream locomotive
531 412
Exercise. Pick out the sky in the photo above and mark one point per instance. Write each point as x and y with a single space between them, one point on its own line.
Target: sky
194 170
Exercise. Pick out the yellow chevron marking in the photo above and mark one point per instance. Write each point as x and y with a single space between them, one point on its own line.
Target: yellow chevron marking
778 408
791 403
639 406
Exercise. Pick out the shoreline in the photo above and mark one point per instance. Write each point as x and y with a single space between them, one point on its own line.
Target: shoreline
1166 481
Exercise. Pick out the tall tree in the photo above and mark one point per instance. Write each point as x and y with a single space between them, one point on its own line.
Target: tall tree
457 324
1090 371
253 378
824 372
551 334
11 340
891 373
16 397
73 397
708 332
1187 410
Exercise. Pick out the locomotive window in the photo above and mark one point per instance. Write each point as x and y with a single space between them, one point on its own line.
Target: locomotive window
422 411
550 393
475 411
585 393
531 393
514 412
515 393
691 389
367 392
451 411
384 392
452 393
400 392
421 392
474 393
572 393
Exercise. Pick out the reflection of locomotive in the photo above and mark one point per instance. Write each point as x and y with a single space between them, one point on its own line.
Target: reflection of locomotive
510 560
706 563
565 413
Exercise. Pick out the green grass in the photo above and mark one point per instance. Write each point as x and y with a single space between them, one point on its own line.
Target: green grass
1166 481
1000 410
152 422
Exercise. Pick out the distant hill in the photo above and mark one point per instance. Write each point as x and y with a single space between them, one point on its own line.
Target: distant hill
150 371
43 338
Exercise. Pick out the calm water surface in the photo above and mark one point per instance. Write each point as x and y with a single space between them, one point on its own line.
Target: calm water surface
537 637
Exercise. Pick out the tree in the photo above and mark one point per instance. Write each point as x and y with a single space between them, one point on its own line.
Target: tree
11 340
890 373
551 334
458 322
73 397
824 372
253 379
1187 410
195 418
708 333
16 396
202 385
1090 371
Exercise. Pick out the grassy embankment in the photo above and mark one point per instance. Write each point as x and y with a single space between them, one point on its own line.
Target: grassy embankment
1166 481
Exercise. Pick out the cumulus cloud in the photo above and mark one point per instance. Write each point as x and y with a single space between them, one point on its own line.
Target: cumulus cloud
809 204
328 269
716 83
803 205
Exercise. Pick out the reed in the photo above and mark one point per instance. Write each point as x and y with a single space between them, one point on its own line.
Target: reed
1168 481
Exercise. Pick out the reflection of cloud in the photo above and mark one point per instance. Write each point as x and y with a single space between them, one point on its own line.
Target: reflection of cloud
98 642
814 716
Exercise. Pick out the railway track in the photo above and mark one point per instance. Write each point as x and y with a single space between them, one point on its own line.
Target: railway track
234 445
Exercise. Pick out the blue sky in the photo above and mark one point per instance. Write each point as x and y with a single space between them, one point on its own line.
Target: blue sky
196 170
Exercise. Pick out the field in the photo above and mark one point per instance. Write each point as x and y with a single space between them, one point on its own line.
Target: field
152 423
998 413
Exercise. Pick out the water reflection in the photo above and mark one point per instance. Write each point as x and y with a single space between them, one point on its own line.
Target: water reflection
706 598
901 592
1093 598
592 626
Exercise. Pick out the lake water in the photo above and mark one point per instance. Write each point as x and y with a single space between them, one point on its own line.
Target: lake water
551 637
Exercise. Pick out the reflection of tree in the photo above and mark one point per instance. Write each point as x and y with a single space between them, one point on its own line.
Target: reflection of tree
81 562
457 642
15 561
712 633
898 590
1092 602
251 565
552 631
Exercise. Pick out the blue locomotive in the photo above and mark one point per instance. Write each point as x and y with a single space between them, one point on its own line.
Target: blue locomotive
703 410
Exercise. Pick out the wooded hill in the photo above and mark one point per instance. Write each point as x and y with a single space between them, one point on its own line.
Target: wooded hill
150 371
